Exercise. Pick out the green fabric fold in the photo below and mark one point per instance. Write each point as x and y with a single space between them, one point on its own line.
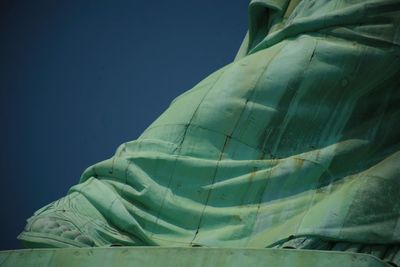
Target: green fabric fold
298 137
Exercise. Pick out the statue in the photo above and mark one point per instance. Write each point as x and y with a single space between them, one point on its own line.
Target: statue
295 144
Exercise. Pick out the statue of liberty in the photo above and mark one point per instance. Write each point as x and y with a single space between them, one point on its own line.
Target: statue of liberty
295 144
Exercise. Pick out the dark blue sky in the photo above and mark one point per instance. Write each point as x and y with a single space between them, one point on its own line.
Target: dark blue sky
80 77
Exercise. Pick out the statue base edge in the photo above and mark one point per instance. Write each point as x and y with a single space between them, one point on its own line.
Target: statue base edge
183 256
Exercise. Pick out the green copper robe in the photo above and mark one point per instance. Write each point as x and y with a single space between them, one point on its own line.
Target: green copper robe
298 137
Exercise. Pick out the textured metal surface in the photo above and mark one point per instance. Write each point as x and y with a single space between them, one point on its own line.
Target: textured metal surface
180 257
298 137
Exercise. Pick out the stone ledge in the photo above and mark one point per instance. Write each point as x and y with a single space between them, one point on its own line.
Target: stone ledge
191 257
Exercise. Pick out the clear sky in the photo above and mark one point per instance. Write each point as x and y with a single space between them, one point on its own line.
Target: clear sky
80 77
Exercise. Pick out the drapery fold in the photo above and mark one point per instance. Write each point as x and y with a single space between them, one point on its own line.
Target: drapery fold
298 137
